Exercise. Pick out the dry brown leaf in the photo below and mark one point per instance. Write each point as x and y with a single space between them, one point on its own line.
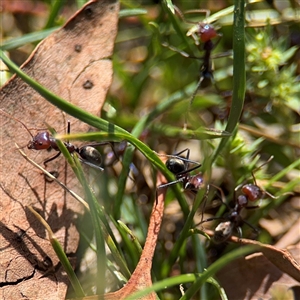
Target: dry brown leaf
259 275
74 63
255 277
281 258
291 237
141 277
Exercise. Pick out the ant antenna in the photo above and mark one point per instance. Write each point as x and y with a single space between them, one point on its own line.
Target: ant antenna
191 101
179 12
13 118
259 167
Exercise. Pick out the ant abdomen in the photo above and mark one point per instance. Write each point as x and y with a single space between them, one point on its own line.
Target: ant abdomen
175 165
223 231
90 154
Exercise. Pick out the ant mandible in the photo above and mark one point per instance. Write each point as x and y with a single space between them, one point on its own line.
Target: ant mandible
179 166
45 141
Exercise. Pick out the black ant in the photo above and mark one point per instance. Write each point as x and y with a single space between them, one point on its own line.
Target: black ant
179 166
88 154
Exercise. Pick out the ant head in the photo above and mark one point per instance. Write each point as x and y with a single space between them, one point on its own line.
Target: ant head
176 165
40 141
252 192
206 32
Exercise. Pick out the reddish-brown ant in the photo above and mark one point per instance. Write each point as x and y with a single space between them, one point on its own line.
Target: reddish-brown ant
179 166
233 219
204 33
88 154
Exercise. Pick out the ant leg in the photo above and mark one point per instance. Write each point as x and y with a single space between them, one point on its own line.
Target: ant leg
240 232
195 91
164 186
211 219
259 167
169 183
216 44
265 163
194 11
51 158
223 199
204 201
252 227
190 170
182 53
90 164
187 150
188 160
181 15
69 128
176 155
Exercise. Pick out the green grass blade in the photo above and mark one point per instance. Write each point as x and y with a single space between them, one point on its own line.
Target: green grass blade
239 73
197 279
168 263
55 8
26 39
61 255
215 267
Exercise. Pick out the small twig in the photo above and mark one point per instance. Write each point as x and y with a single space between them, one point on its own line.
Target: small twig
78 198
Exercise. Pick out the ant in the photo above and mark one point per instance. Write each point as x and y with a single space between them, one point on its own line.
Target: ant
88 154
179 166
233 220
204 33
